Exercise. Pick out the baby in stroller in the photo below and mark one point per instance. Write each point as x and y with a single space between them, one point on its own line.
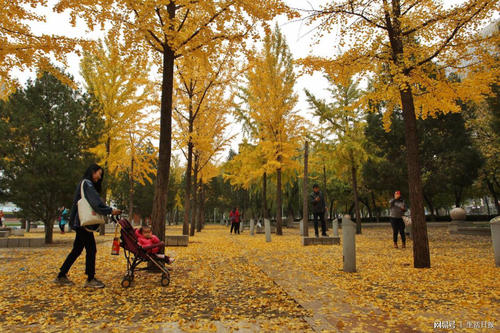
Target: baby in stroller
145 238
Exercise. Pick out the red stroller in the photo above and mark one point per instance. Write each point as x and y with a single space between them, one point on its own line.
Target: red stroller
137 254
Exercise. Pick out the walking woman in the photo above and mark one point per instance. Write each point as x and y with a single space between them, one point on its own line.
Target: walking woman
92 181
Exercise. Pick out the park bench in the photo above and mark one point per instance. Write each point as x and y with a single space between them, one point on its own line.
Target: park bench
320 241
21 242
176 240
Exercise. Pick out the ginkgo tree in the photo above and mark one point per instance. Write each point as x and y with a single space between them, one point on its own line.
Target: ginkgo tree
345 124
201 80
169 30
119 83
408 48
23 48
270 102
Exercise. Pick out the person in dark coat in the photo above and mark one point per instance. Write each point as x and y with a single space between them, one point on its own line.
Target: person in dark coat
397 209
84 238
318 205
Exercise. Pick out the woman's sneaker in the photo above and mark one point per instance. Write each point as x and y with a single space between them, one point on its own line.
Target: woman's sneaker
63 281
94 283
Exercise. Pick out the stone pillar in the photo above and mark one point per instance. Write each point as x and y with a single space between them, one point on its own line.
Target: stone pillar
495 237
252 227
335 227
267 228
301 227
349 244
458 217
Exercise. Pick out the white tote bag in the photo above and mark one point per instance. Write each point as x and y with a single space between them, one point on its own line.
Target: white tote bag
85 212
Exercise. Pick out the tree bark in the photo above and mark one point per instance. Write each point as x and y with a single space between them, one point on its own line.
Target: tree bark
200 206
131 192
194 197
421 255
493 193
189 185
165 149
279 221
305 197
49 231
430 205
264 196
356 197
375 208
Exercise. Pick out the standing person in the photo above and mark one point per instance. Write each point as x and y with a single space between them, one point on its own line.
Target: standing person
63 219
318 204
397 208
234 217
1 218
92 182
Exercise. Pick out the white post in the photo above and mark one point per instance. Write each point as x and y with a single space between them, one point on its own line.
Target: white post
302 227
267 227
349 244
252 226
241 226
335 227
495 237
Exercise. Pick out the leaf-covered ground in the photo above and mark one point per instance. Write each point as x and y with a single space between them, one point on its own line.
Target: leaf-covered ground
223 282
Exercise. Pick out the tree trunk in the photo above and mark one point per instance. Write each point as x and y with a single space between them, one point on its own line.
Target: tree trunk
487 205
305 197
49 231
367 205
200 205
458 197
421 255
430 205
375 208
194 197
493 193
356 198
131 192
165 149
279 221
264 196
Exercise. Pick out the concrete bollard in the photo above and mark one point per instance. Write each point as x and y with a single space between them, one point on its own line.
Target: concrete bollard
495 238
267 227
252 227
335 227
349 244
302 227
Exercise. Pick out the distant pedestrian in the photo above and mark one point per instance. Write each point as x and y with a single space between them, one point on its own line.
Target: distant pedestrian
63 218
1 218
397 210
91 184
318 204
234 217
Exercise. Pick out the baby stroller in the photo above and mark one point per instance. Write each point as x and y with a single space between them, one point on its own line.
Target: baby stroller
137 254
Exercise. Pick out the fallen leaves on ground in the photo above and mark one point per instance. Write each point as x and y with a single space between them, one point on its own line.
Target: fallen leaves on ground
240 281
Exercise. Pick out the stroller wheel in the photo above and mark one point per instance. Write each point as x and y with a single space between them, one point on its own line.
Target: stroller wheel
127 281
165 280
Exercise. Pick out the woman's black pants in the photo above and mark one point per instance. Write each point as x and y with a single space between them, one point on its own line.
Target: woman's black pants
84 239
398 226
